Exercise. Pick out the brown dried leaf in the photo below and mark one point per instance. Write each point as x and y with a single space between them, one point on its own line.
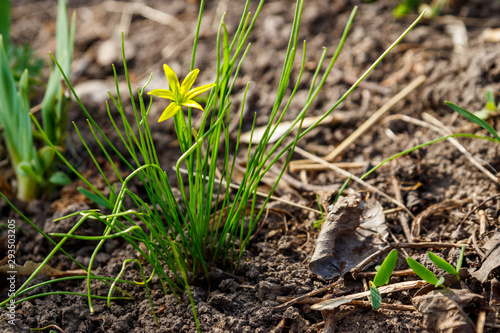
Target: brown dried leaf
336 255
491 261
443 310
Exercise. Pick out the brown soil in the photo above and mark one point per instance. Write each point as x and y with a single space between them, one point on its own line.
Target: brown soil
276 262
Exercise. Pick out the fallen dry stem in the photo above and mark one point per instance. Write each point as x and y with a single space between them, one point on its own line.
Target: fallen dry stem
308 295
375 118
432 210
295 165
387 306
343 165
262 194
371 275
403 217
314 300
442 132
479 206
427 117
333 303
356 179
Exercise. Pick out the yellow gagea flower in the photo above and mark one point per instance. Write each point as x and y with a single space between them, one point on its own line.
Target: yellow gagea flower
180 95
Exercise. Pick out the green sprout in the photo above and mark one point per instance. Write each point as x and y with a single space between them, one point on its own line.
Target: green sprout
408 6
55 102
319 223
382 277
424 273
475 119
20 57
34 169
444 265
427 275
490 109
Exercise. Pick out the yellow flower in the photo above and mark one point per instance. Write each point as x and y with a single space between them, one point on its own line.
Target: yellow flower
180 95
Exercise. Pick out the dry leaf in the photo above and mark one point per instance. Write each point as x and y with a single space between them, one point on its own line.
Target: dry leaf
492 259
443 310
336 255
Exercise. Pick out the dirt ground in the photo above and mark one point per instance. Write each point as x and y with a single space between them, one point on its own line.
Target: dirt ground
460 59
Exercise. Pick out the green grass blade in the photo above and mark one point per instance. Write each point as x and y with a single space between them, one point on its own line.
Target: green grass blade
59 178
95 198
422 271
441 263
474 119
384 273
5 21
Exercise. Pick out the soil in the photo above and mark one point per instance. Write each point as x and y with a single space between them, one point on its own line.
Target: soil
276 262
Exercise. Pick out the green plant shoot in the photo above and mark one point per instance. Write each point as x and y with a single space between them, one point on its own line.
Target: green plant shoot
55 102
424 273
384 273
475 119
34 169
319 223
382 277
375 296
444 265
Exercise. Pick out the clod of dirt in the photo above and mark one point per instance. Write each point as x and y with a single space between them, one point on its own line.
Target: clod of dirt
292 322
443 310
268 290
10 325
335 255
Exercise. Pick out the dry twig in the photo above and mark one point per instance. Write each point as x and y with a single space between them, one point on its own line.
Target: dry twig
294 166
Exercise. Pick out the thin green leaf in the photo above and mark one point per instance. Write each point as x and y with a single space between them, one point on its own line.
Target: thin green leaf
440 282
5 21
46 156
384 273
441 263
28 170
375 297
60 178
422 271
474 119
95 198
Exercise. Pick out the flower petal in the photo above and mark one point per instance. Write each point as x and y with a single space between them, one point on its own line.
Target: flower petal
170 111
189 80
173 81
163 93
192 104
196 91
